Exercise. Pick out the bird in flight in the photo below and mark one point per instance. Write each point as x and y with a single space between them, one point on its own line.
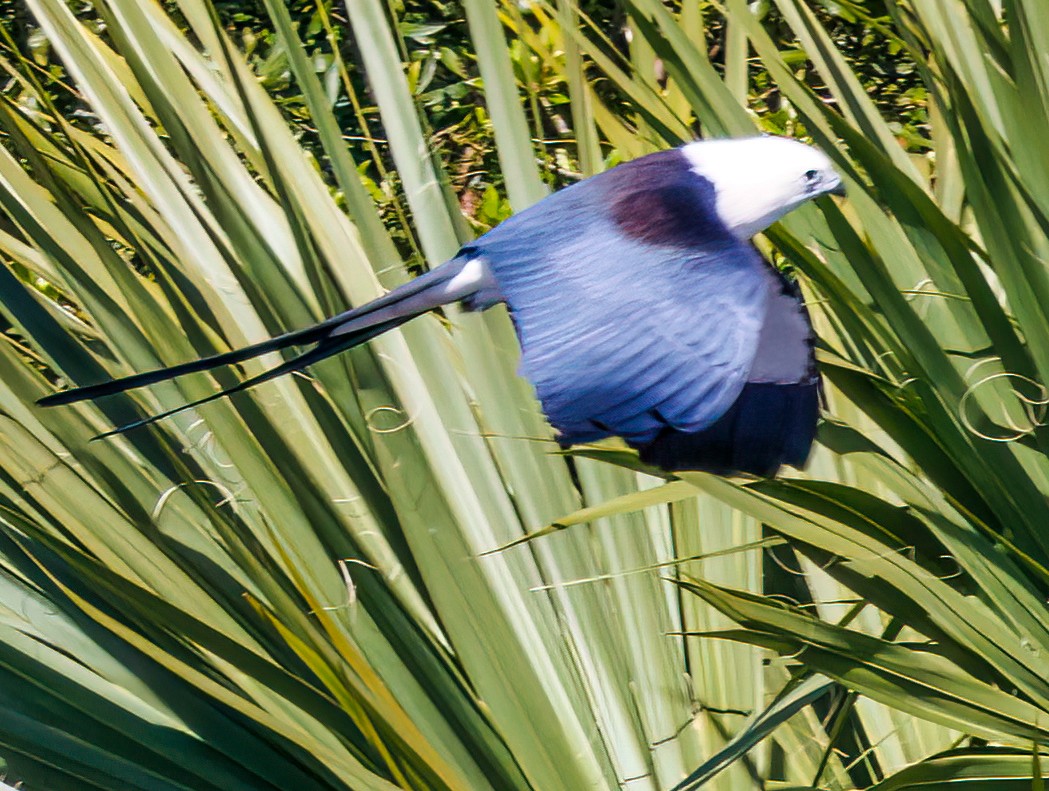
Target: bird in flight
642 309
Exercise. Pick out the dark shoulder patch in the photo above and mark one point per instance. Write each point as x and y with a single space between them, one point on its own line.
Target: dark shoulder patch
658 199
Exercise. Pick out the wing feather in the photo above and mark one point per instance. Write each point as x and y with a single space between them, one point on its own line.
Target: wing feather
626 330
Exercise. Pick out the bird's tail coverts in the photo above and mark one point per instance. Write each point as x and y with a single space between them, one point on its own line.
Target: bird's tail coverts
341 332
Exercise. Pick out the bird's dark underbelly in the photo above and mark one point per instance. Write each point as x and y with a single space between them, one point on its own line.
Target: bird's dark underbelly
769 425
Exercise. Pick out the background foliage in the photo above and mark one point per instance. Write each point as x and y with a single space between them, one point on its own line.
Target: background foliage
384 575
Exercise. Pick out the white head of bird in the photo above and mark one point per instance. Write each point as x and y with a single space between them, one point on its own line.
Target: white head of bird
760 179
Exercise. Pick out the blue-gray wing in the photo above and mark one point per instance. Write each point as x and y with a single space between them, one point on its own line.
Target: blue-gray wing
627 331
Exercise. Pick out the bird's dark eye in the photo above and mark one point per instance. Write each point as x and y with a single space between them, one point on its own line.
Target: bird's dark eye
812 178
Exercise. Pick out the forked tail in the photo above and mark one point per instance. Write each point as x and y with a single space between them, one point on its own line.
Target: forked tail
344 331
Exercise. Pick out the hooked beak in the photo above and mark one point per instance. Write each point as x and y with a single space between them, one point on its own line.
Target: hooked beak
838 190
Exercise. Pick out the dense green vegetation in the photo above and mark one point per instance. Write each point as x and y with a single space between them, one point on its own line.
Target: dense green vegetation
384 574
443 75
